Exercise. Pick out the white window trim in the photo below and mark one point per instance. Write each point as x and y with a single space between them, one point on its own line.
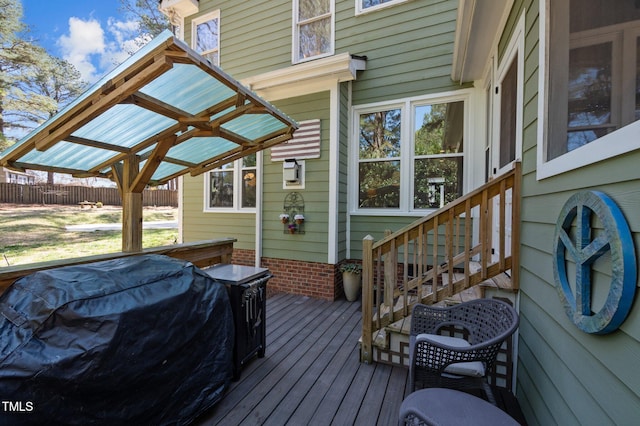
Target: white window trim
295 39
361 11
621 141
407 149
204 18
237 189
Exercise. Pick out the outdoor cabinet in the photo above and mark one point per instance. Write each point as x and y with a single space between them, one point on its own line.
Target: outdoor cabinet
247 288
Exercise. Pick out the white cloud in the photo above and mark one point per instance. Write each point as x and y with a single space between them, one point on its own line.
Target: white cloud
95 50
85 39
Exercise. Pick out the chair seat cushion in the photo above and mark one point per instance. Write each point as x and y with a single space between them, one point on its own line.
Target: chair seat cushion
473 369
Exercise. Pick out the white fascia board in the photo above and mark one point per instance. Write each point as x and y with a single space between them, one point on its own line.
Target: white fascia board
309 77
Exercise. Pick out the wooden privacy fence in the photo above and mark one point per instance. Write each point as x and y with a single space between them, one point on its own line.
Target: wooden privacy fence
72 195
434 257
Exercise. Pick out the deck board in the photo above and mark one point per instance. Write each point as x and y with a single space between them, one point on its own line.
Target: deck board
311 373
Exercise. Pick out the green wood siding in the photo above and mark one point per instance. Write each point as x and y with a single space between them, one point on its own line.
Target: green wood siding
199 225
566 376
409 48
255 36
311 246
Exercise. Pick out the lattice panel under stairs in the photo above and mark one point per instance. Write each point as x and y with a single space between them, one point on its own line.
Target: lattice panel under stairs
391 344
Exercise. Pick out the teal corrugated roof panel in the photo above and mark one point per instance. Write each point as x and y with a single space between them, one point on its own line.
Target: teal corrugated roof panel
253 127
165 96
188 88
195 149
68 156
124 125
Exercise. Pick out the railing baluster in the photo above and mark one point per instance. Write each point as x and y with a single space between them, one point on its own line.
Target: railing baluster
484 237
467 241
390 277
436 267
503 224
449 247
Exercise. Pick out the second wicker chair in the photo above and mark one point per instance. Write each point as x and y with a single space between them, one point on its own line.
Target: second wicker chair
459 360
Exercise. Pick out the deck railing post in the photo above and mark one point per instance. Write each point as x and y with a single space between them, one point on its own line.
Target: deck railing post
515 226
366 348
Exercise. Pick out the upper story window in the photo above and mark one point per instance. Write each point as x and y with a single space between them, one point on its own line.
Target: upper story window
594 82
410 155
232 187
313 29
364 6
205 36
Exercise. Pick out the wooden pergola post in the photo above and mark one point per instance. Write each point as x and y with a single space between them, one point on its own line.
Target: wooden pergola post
131 182
126 173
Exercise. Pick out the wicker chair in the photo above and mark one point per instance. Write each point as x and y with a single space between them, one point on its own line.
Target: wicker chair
460 360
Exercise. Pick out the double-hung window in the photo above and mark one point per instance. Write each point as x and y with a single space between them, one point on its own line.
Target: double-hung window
364 6
593 92
410 155
313 34
232 187
205 36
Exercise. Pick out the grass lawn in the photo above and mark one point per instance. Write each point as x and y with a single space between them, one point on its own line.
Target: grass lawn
37 233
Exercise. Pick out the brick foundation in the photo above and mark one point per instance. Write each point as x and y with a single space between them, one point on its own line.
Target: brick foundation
318 280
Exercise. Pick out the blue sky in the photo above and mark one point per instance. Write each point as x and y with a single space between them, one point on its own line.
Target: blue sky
92 35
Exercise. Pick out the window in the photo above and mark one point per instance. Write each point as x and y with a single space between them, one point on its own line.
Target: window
438 154
410 156
594 82
313 29
364 6
232 187
206 36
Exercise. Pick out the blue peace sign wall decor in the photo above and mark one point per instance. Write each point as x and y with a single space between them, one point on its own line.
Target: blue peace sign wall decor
615 237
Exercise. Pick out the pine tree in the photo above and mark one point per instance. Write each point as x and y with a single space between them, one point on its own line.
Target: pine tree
33 84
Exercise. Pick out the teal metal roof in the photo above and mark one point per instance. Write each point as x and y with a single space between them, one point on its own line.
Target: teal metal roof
165 103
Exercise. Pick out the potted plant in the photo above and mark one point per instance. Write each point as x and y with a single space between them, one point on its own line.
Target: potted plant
299 219
284 218
351 280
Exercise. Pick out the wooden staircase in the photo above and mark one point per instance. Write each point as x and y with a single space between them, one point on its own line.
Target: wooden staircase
444 258
391 343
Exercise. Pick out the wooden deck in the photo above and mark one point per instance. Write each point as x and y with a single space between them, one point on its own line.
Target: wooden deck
311 374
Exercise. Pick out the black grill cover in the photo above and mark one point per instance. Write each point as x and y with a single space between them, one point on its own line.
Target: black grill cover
140 340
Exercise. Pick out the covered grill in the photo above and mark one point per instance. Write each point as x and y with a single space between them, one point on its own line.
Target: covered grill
140 340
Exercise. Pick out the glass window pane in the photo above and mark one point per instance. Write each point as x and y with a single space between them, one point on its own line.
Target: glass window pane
437 181
590 85
370 3
308 9
221 186
249 188
379 184
589 97
439 128
207 36
249 160
380 134
315 38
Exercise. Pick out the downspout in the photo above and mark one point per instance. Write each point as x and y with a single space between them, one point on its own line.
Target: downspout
334 181
259 193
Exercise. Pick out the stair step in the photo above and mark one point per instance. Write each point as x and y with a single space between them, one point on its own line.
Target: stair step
382 338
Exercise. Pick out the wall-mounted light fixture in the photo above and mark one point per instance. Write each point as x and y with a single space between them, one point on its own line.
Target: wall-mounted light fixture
291 172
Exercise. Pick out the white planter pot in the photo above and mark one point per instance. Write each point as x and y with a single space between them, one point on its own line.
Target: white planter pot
351 284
